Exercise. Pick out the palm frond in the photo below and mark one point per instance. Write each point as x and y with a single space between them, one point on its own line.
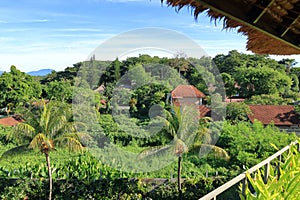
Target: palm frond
204 149
79 126
44 117
156 151
70 141
57 125
203 135
205 120
38 140
24 128
22 132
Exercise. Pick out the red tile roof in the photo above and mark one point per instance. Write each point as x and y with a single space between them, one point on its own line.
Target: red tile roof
10 121
279 115
204 111
229 100
182 91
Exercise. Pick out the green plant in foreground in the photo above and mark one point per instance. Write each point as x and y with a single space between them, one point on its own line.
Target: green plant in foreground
187 131
284 187
51 128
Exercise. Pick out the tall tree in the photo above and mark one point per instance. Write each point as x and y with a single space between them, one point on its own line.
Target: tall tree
146 96
288 63
52 128
183 125
229 84
234 60
18 88
262 80
59 90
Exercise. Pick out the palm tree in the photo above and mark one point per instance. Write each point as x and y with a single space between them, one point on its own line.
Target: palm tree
46 127
188 133
288 63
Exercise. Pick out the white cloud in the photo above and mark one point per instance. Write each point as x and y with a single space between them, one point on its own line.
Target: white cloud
34 21
79 30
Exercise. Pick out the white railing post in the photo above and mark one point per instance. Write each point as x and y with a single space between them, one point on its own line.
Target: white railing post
266 172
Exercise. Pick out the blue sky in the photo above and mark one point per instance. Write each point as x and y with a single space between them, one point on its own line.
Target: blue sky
55 34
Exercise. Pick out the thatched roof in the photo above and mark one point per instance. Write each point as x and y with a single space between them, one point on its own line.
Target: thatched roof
272 26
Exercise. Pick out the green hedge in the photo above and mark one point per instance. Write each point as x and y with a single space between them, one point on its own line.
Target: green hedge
105 189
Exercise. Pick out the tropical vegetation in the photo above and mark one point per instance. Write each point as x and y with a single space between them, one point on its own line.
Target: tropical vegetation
282 182
110 104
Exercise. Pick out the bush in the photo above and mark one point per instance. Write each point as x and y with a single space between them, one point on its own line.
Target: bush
247 144
106 189
3 133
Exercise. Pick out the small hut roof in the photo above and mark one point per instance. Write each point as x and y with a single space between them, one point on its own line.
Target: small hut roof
186 91
272 26
11 121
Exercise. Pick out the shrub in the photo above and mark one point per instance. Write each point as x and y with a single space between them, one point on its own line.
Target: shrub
286 187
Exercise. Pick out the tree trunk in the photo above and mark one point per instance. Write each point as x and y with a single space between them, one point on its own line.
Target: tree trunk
50 174
179 177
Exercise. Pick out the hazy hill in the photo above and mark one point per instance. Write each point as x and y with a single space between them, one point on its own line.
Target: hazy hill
41 72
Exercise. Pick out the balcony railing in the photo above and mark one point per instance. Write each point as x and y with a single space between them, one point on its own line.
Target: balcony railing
242 177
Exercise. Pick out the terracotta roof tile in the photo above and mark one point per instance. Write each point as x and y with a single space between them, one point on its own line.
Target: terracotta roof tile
182 91
204 111
279 115
10 121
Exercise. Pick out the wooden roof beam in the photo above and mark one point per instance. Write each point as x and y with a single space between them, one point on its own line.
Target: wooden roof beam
231 9
263 12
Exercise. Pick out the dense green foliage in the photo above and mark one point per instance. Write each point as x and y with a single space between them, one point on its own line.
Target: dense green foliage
261 80
249 75
141 86
18 88
147 96
246 75
124 189
247 144
268 99
59 90
236 112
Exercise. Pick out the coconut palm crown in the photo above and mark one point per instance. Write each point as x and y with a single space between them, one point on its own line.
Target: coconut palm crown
189 133
46 127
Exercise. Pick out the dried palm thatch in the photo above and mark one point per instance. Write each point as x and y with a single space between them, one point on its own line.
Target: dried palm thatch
272 26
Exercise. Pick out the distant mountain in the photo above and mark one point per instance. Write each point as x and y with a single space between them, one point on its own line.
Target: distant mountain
42 72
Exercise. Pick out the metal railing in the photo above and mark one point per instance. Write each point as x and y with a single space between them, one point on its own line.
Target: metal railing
242 177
